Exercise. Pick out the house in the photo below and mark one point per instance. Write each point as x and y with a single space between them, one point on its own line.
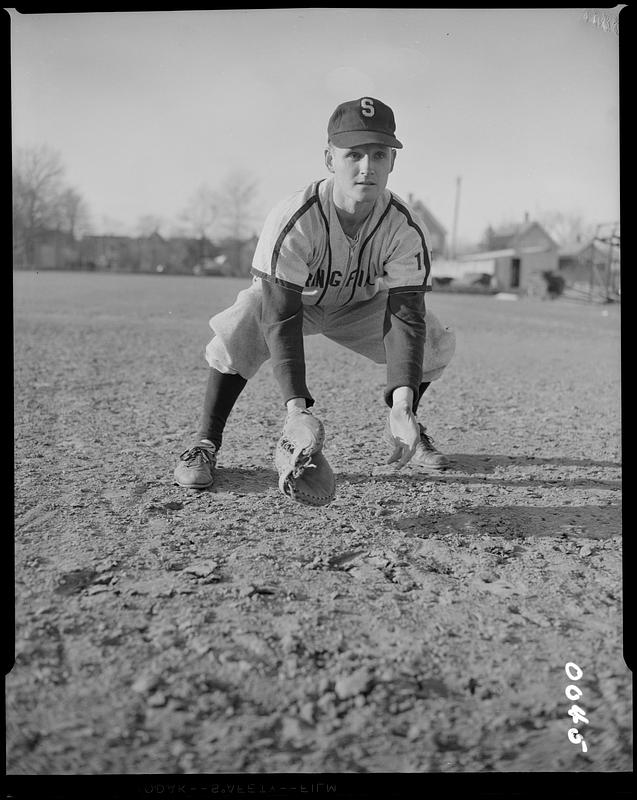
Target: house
116 253
437 231
52 249
46 249
591 267
516 256
123 253
238 253
186 255
152 253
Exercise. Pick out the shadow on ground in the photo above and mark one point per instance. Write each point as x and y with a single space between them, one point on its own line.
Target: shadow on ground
259 480
485 463
559 522
245 481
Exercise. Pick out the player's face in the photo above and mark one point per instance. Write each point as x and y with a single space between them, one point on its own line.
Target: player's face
361 172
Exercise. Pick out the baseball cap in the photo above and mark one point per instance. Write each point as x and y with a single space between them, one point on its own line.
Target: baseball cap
362 121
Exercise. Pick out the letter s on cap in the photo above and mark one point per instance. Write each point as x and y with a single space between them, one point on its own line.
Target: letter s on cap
367 107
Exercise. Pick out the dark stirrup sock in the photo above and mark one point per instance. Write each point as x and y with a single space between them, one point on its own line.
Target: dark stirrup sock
222 392
421 390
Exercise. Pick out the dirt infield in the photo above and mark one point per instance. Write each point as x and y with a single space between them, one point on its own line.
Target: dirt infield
416 624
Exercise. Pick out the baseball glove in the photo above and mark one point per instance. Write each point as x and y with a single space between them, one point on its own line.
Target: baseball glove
304 473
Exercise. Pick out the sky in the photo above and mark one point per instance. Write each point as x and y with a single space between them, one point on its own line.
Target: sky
521 105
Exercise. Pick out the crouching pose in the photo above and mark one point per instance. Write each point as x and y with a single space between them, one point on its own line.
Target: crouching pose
347 258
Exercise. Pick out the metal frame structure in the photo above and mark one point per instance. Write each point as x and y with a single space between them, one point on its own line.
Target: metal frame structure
605 283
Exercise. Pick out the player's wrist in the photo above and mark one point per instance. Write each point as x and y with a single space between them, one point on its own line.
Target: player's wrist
402 398
296 403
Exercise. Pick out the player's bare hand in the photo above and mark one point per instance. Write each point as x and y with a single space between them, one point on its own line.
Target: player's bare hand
403 434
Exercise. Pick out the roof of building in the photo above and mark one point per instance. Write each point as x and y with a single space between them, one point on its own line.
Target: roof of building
102 236
508 235
486 255
508 252
575 250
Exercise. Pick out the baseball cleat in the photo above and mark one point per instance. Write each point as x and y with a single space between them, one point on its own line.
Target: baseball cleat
427 455
196 466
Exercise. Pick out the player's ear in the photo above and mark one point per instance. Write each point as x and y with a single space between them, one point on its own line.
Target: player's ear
329 158
393 159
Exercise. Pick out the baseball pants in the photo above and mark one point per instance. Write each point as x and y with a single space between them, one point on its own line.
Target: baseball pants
239 347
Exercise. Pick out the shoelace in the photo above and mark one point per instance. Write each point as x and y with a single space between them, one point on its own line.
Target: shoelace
196 452
426 440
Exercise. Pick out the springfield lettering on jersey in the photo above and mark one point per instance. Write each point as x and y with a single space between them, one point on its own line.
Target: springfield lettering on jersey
304 248
318 280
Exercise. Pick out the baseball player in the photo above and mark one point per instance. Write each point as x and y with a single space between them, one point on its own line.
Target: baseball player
344 257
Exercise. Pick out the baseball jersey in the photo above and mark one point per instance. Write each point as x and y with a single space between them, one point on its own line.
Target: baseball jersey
303 247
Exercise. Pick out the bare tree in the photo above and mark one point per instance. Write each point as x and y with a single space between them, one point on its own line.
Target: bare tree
201 213
239 216
566 228
177 229
149 224
237 197
37 182
200 217
73 213
41 200
226 214
113 227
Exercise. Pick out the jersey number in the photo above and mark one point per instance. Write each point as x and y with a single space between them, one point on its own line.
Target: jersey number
367 107
419 260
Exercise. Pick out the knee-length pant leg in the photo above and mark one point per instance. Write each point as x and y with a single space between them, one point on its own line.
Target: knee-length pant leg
238 345
359 327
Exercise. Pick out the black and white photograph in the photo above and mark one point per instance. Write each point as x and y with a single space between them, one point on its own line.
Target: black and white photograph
316 398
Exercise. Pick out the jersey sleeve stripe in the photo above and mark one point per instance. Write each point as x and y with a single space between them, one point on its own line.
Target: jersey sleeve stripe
288 227
273 279
421 287
413 224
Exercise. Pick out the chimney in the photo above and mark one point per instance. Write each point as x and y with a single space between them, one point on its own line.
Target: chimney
526 217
